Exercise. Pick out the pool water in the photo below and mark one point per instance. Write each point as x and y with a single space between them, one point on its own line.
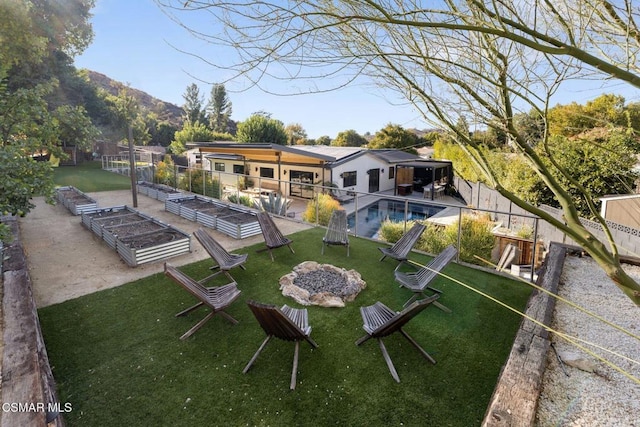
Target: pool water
371 216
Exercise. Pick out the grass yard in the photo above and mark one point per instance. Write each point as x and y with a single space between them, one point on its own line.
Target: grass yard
117 358
89 177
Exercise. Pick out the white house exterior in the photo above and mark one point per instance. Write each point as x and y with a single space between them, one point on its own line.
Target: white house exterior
291 169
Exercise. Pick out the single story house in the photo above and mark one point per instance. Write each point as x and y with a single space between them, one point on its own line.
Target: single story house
291 169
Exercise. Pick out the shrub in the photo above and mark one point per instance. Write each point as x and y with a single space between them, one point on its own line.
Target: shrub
324 205
476 239
165 172
242 200
391 231
274 204
193 179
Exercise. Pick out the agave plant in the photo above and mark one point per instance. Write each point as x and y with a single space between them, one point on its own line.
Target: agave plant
274 204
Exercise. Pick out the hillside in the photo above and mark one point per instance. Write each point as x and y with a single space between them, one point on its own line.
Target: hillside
165 110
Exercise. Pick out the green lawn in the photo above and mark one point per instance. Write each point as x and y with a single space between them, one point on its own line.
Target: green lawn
89 177
117 358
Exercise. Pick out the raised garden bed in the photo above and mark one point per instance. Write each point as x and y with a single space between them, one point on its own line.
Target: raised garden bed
137 237
75 200
153 246
117 215
209 216
158 191
239 225
187 206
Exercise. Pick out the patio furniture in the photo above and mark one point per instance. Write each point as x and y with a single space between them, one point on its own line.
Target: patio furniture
380 321
341 195
273 238
225 261
216 298
400 250
337 232
286 323
419 281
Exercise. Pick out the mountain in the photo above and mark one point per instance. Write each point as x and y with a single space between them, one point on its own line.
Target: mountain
166 111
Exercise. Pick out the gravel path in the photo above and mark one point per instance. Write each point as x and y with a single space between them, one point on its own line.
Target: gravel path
604 397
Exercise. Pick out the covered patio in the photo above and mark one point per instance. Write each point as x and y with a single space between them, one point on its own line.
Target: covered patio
428 177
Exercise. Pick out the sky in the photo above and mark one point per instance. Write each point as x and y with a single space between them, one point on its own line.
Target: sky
135 43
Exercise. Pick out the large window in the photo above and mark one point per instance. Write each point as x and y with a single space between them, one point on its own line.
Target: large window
266 172
217 166
238 169
349 179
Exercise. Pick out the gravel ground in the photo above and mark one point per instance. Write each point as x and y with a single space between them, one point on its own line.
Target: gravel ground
604 397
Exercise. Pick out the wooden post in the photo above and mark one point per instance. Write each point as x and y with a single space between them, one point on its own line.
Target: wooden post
132 169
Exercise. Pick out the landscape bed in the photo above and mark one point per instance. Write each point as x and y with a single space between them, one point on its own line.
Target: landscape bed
138 238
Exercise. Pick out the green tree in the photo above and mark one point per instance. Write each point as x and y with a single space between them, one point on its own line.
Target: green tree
395 136
323 140
193 105
260 127
190 132
75 127
349 138
296 135
219 109
35 36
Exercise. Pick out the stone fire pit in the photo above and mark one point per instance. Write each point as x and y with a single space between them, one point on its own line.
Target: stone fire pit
325 285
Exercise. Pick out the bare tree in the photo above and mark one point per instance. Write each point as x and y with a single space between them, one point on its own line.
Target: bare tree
479 61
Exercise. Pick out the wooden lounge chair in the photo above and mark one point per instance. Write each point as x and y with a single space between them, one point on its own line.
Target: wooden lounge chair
400 250
216 298
286 323
419 281
225 261
380 321
337 232
273 238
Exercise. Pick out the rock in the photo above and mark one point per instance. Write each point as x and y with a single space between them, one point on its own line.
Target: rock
576 360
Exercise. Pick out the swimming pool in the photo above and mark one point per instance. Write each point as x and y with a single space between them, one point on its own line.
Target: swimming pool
371 216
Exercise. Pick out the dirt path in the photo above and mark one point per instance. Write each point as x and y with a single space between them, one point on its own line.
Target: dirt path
67 261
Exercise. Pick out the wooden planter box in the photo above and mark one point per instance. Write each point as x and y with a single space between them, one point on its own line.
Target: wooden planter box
75 200
239 225
525 247
153 246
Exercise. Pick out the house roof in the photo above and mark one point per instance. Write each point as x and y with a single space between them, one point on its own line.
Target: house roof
321 155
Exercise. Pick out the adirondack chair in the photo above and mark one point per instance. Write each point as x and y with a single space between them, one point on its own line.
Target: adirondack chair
337 230
223 259
286 323
216 298
380 321
420 280
273 238
400 250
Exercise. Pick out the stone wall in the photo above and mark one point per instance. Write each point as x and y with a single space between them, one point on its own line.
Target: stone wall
26 375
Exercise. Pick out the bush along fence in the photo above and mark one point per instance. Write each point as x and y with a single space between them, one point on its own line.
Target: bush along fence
479 195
